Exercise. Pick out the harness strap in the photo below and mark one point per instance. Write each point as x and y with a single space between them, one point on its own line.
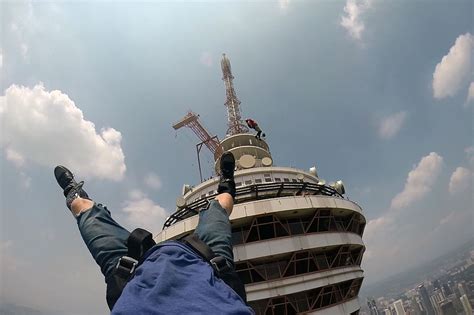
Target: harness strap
218 263
138 243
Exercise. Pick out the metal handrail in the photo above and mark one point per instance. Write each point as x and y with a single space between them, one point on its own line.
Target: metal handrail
255 192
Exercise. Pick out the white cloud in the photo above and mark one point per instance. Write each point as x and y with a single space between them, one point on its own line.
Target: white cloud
419 182
391 125
24 50
283 4
142 212
206 59
395 238
470 155
460 180
46 128
5 245
23 24
8 261
453 71
352 20
470 93
153 181
395 246
14 157
375 226
25 180
448 219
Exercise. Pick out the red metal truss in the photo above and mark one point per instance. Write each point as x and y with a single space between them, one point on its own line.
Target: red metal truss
191 121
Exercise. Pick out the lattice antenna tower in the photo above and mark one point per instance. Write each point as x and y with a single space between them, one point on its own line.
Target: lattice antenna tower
235 123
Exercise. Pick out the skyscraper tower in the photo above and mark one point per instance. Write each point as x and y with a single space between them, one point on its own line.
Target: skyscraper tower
465 304
399 309
372 305
447 308
425 299
297 240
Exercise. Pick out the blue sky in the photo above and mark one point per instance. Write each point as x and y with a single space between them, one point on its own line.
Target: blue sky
372 92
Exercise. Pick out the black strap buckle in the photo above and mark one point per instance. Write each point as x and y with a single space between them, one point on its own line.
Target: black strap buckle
220 265
126 265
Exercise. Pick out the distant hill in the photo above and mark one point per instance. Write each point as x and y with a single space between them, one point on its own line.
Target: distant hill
11 309
394 285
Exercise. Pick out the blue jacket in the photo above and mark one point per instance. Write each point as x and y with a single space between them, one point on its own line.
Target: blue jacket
174 280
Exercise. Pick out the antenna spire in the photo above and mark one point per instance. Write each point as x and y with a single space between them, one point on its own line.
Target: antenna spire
235 123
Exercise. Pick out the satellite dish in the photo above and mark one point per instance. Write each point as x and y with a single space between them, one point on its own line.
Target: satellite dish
266 161
186 189
322 182
247 161
300 176
313 171
339 187
180 202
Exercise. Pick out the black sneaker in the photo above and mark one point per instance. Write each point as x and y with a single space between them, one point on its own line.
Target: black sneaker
71 188
227 167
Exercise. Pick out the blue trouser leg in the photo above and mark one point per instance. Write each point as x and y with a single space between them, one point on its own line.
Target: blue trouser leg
105 238
214 229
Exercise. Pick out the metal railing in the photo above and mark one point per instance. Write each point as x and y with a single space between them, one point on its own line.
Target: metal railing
255 192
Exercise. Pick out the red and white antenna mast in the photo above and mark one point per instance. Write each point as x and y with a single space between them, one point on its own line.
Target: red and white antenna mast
235 123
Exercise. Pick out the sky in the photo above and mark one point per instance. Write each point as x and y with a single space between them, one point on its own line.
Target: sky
377 93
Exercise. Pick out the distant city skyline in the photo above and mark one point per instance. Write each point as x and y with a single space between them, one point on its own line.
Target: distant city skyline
449 290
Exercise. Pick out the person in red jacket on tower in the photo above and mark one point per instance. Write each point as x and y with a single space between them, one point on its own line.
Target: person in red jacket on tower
253 125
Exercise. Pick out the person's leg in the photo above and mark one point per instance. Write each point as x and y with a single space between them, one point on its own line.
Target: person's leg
214 227
215 230
226 201
105 238
79 205
259 132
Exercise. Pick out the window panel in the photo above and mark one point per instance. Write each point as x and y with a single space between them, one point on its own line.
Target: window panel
270 226
303 302
253 235
237 237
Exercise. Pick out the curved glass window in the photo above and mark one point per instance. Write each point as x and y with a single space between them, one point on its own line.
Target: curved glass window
322 220
311 300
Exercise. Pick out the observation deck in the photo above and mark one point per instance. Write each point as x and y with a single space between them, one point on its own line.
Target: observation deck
297 241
